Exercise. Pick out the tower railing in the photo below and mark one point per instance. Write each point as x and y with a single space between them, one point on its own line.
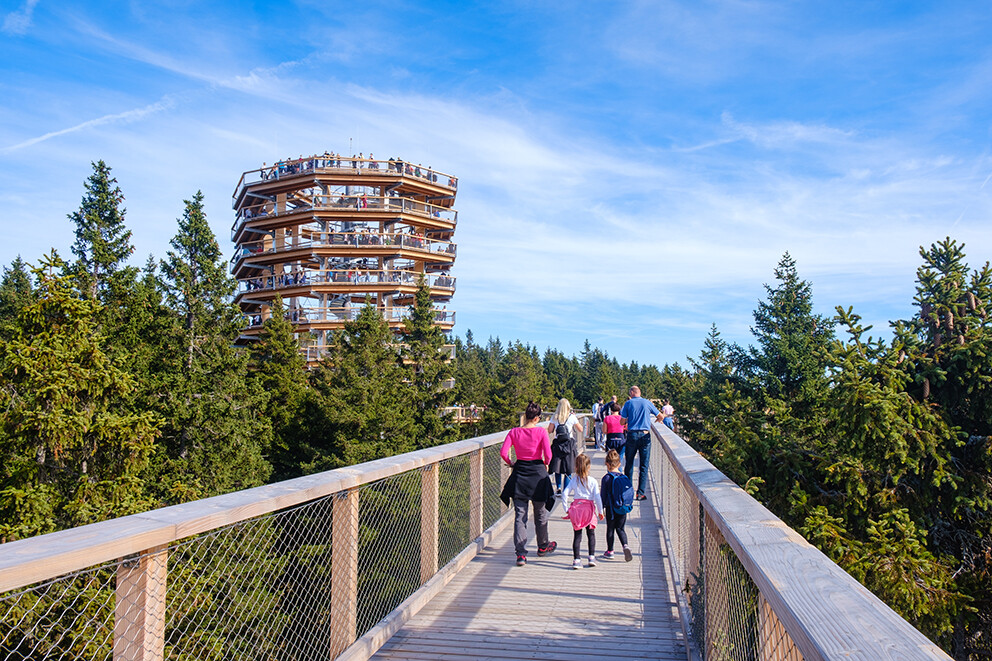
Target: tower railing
314 567
341 314
350 207
372 241
750 587
350 165
345 277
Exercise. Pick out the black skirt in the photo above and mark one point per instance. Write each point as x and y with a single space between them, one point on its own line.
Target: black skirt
563 458
529 481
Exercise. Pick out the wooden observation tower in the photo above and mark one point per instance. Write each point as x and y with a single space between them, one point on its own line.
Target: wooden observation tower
325 232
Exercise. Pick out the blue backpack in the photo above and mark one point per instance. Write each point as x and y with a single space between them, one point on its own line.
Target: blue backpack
621 494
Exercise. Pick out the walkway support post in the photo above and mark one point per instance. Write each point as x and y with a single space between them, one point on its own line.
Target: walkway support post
344 571
475 489
139 612
429 499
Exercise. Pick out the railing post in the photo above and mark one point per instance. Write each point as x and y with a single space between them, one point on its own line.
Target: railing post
428 522
139 612
475 490
715 594
344 571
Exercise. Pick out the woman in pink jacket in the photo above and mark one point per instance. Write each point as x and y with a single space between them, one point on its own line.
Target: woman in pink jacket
529 483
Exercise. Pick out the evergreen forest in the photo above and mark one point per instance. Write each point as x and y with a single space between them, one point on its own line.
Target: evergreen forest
123 389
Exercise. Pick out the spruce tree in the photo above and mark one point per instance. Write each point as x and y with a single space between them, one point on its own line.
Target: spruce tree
15 293
363 409
216 432
278 367
72 451
103 243
423 343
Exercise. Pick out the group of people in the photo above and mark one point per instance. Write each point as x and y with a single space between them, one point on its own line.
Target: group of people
334 160
553 449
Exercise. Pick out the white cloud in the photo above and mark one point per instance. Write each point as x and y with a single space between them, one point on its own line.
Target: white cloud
18 22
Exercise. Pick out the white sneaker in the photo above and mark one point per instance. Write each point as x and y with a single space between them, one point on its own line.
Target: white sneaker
627 555
576 564
592 561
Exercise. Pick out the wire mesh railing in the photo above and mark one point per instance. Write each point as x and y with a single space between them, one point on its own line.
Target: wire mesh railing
295 570
752 589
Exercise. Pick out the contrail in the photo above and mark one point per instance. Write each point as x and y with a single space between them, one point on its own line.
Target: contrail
127 116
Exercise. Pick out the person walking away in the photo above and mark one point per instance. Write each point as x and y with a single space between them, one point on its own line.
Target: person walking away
564 429
668 415
598 412
616 438
636 414
529 483
618 500
584 509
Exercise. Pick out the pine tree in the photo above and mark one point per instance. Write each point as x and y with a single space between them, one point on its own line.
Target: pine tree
423 344
216 432
363 409
196 280
15 293
279 369
103 243
72 451
520 379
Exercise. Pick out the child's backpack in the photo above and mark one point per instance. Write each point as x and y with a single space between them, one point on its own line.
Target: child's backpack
621 494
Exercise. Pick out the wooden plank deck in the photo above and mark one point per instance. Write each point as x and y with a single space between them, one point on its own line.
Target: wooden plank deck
547 610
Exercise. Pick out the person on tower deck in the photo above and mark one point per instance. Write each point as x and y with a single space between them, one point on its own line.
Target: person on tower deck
636 414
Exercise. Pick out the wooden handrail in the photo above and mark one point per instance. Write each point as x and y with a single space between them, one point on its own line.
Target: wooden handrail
339 162
828 614
41 558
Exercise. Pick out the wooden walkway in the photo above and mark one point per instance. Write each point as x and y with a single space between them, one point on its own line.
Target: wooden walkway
547 610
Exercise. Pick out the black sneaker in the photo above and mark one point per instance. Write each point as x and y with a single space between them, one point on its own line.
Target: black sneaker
640 496
549 549
521 560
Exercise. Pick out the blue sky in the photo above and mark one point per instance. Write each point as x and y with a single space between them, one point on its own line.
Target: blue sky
629 172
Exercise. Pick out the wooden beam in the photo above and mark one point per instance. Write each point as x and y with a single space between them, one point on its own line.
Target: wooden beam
476 467
344 571
429 499
827 613
139 612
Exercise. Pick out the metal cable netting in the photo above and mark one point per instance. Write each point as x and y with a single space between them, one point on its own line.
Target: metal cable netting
70 616
726 616
296 584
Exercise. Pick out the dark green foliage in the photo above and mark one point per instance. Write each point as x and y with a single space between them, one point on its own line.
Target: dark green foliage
15 293
215 433
878 452
278 369
422 350
72 452
103 243
362 408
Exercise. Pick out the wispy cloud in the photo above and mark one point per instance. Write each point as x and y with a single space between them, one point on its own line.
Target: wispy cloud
122 117
17 22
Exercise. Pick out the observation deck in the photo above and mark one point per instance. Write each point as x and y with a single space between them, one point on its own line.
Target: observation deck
325 231
410 557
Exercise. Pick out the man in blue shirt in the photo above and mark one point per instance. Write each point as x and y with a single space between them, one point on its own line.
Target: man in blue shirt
636 414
